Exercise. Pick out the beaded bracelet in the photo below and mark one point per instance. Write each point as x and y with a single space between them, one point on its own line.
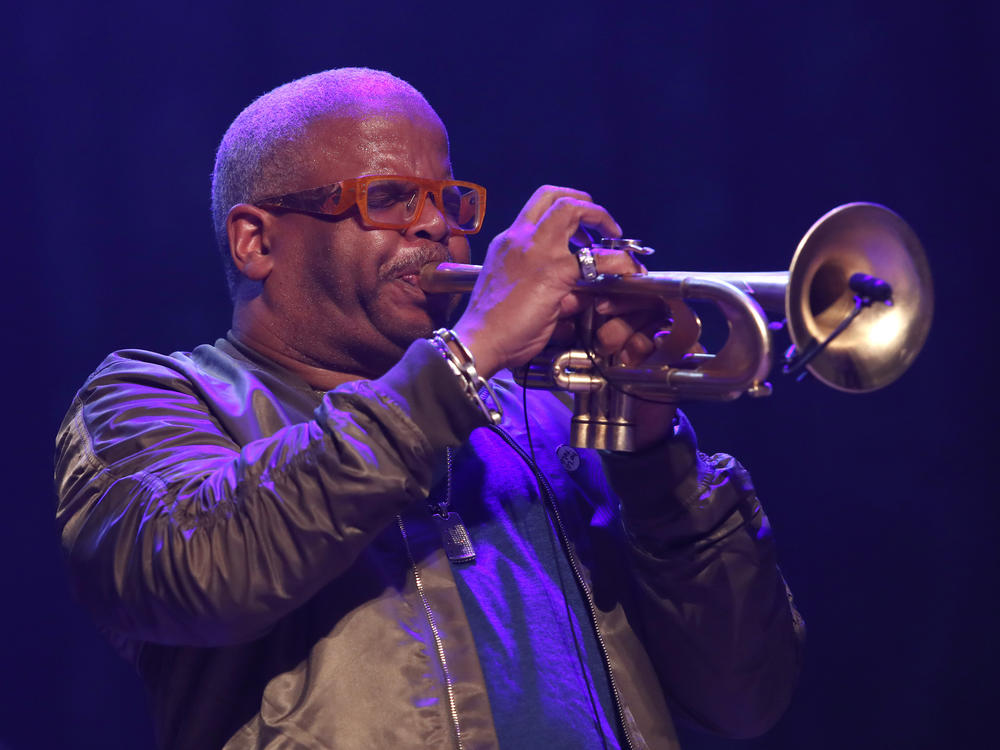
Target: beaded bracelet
465 368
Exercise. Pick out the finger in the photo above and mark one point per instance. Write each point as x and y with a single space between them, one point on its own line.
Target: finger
565 216
685 330
637 349
584 237
543 198
573 304
653 309
645 347
616 261
614 334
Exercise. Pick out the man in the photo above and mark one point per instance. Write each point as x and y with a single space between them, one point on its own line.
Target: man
312 535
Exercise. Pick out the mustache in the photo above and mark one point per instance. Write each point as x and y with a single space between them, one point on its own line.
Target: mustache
412 259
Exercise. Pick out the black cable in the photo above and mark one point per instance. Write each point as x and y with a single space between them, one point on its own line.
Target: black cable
527 424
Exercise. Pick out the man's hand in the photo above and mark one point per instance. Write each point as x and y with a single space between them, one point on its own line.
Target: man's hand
526 285
525 296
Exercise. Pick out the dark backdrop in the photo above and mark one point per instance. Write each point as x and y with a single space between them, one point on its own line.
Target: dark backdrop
716 131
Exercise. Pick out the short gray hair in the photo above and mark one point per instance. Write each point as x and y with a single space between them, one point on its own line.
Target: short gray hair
262 152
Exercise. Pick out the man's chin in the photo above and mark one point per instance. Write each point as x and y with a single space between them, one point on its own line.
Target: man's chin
443 310
403 333
403 326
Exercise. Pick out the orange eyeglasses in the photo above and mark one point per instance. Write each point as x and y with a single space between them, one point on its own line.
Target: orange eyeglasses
388 201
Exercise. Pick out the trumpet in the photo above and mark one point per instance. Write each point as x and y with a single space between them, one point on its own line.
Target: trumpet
857 301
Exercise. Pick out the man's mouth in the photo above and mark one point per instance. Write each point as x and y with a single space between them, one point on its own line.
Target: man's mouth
406 266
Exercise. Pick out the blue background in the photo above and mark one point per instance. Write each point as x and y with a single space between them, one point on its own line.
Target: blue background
715 131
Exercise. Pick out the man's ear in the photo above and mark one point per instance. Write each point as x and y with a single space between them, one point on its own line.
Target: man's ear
248 244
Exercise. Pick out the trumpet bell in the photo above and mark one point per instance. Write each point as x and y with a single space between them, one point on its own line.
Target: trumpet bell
882 342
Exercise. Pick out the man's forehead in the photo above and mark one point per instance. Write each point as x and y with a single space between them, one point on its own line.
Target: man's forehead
378 142
380 125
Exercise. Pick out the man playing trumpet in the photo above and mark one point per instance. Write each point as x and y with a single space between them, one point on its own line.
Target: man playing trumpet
338 527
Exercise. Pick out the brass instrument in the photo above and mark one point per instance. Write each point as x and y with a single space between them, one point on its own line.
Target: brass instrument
859 260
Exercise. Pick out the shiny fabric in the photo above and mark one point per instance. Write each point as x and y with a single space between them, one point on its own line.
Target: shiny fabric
264 554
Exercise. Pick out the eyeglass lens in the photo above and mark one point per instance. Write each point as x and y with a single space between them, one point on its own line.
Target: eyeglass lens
395 202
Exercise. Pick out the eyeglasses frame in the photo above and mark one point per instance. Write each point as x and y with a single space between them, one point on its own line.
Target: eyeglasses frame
353 191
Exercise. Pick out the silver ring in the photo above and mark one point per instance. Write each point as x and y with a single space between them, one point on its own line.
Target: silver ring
588 266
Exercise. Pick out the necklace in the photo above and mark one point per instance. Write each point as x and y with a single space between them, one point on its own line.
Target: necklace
454 535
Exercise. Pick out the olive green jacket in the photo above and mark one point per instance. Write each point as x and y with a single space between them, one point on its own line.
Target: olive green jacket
264 554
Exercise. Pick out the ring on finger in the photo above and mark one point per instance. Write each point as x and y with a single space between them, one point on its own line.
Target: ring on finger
588 265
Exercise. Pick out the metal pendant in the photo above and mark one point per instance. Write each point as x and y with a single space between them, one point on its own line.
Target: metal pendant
455 537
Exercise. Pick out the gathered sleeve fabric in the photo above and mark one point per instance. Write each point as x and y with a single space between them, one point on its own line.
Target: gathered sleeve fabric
718 621
198 507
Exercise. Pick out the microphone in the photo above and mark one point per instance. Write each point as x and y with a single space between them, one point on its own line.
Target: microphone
871 288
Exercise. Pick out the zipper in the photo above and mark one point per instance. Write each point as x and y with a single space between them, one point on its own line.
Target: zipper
438 645
441 507
550 502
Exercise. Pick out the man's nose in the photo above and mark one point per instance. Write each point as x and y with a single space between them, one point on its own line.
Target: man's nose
431 223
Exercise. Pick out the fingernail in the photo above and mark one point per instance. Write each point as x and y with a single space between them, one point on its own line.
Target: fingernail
602 305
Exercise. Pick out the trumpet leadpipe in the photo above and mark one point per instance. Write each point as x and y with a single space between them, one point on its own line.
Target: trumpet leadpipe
766 287
448 278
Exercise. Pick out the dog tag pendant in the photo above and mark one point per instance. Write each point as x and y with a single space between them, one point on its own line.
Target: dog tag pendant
455 538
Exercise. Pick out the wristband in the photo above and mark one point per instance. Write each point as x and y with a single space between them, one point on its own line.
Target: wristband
464 367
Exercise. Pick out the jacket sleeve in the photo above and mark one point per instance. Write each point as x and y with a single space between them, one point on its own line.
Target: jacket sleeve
721 628
178 535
